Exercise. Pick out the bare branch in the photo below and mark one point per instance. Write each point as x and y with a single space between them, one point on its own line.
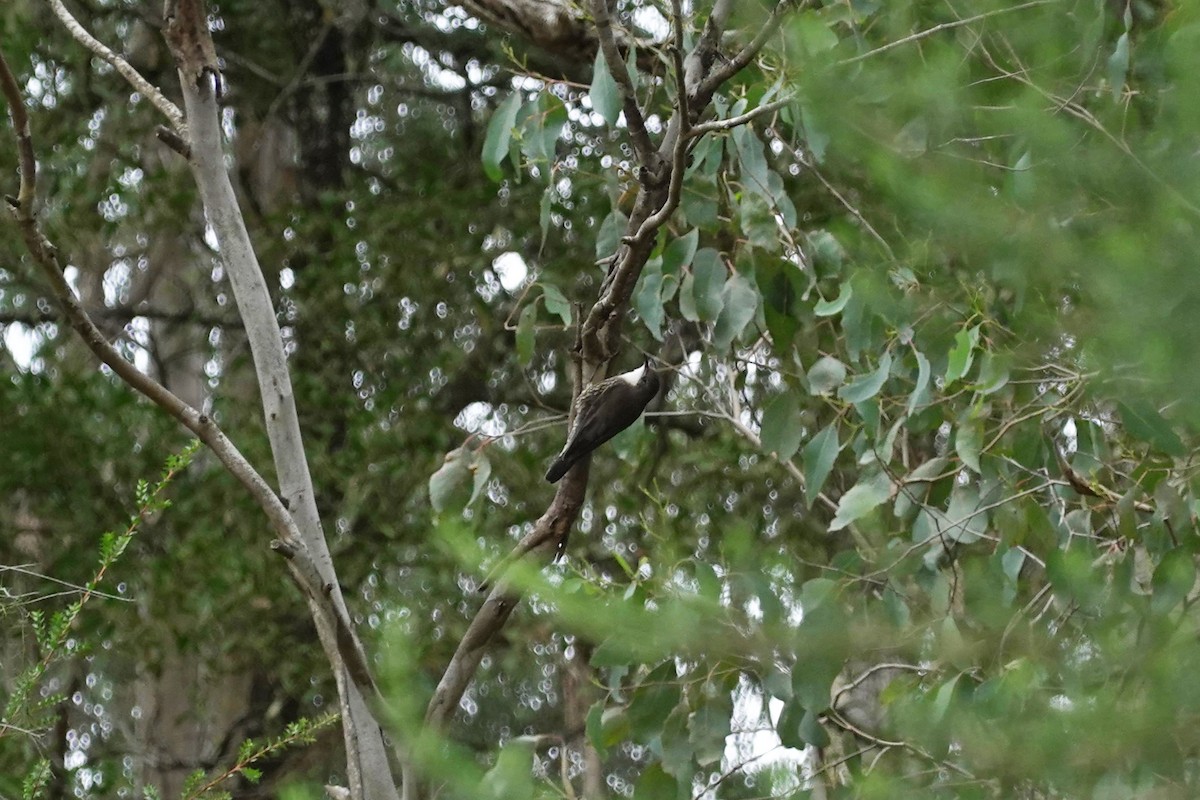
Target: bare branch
925 34
740 119
135 79
189 38
547 539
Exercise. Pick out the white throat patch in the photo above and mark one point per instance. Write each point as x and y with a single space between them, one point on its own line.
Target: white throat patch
633 376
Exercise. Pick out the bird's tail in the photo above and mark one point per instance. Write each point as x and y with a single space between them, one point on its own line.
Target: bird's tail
559 468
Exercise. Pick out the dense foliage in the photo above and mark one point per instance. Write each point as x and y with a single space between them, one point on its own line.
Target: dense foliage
916 517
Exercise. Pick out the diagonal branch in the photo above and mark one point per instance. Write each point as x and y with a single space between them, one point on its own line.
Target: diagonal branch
307 557
743 58
168 109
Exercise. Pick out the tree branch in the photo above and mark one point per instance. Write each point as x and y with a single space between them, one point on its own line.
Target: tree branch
743 58
642 145
122 314
188 35
135 79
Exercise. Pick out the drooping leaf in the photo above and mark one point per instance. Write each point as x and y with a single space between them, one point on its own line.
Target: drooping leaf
687 299
647 301
556 302
753 162
739 302
606 99
708 726
1143 422
967 442
499 133
782 426
920 392
481 469
609 235
1173 580
680 252
962 354
819 456
450 479
710 273
1118 65
655 784
526 333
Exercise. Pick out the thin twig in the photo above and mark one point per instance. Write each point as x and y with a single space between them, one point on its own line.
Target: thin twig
925 34
740 119
135 79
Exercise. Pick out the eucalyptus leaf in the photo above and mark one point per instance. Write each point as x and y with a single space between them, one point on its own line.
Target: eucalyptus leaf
739 302
819 456
604 95
867 386
870 492
499 133
782 426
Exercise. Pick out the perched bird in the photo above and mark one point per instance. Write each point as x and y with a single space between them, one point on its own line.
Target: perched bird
605 409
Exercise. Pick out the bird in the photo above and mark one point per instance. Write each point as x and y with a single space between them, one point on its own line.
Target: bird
604 410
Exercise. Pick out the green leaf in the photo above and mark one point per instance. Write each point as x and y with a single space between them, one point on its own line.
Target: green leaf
782 426
541 130
709 271
655 784
993 373
1173 579
544 209
608 238
812 33
1118 65
526 333
867 386
860 499
499 133
481 468
594 726
687 299
648 302
1142 421
708 726
827 308
962 354
812 731
826 375
920 393
812 680
606 99
680 252
965 521
450 479
676 745
968 441
740 301
943 698
556 302
513 774
819 455
753 162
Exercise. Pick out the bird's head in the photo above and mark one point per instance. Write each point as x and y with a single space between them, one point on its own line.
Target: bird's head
642 376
